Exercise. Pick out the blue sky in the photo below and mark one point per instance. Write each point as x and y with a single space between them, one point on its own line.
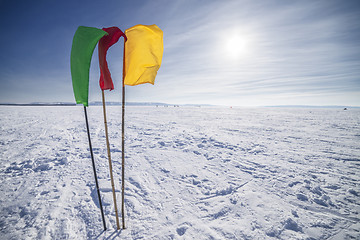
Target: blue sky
238 53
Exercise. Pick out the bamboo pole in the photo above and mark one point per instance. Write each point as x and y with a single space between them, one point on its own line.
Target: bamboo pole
94 169
123 145
110 165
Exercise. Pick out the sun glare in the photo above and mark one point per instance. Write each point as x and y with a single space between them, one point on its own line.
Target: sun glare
236 46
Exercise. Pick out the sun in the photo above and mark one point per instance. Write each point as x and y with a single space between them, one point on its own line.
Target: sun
236 46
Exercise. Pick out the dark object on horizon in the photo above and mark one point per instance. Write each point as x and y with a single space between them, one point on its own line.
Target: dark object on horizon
345 109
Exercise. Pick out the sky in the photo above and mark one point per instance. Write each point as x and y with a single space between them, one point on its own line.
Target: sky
221 52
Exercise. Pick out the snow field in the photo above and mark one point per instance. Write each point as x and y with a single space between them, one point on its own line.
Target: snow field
191 173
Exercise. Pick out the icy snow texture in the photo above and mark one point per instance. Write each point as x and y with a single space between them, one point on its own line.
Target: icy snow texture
191 173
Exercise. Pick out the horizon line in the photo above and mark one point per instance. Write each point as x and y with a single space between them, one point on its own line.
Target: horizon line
97 103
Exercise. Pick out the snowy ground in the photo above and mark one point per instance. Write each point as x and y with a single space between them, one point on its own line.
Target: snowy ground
191 173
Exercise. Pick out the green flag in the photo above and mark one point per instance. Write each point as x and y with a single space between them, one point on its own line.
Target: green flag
84 42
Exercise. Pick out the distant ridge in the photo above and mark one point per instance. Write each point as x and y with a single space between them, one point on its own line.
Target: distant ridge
98 103
310 106
38 104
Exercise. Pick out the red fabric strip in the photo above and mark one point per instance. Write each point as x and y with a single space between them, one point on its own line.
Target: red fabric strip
114 33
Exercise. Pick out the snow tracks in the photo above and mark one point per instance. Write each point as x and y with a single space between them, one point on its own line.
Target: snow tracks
191 173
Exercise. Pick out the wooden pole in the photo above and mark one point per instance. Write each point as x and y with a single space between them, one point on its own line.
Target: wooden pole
110 165
123 146
94 169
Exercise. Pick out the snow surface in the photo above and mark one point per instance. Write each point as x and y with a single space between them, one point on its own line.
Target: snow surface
191 173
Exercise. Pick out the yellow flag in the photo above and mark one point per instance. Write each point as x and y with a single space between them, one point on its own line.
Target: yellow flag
143 54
